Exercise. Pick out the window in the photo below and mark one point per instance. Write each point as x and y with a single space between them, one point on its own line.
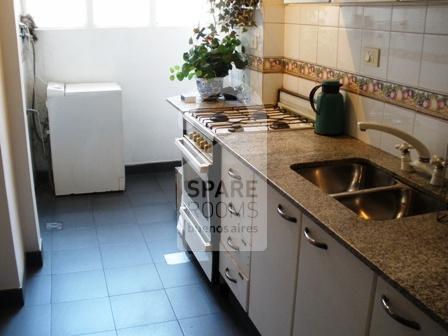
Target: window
58 13
121 13
117 13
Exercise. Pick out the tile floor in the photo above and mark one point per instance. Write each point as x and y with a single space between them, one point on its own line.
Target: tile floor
105 274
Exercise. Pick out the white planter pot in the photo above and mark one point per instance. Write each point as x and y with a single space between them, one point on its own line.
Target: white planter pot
210 88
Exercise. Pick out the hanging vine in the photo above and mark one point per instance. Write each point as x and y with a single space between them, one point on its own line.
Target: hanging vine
232 14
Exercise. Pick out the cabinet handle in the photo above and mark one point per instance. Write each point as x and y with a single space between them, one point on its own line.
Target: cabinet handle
284 215
230 243
227 274
233 175
313 241
232 210
408 323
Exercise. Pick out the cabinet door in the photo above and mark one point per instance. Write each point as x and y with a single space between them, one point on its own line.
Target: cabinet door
274 270
397 316
334 288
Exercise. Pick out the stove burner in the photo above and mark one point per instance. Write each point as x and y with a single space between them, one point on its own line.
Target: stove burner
259 115
236 127
219 117
278 124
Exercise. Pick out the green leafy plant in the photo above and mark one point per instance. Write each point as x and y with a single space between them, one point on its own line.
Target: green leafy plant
210 56
231 14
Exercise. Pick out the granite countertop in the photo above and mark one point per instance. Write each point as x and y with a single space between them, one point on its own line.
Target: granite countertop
410 253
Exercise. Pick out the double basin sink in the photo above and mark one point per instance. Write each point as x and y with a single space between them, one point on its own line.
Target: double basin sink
369 191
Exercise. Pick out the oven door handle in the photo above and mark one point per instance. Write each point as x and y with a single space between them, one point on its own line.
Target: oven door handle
197 161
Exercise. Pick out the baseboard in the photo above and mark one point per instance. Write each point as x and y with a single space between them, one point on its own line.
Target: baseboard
11 298
34 259
152 167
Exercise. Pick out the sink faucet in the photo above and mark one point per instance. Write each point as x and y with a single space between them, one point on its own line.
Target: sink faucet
435 166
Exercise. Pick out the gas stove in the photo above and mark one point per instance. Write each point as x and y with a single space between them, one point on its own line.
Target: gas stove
251 119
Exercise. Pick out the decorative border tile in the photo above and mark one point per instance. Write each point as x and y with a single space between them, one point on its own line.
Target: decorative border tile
426 102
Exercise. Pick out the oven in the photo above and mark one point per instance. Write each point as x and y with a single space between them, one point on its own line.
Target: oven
199 225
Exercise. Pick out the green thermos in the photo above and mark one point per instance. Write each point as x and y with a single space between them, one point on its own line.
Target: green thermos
329 108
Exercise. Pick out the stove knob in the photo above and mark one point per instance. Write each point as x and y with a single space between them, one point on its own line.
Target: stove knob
192 135
207 147
202 144
196 138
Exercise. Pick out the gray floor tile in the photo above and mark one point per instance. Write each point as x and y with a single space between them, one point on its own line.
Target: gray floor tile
138 199
159 248
37 290
119 234
122 255
77 219
82 317
155 213
69 261
114 216
78 286
215 324
117 200
159 231
132 279
142 183
105 333
72 203
139 309
191 301
29 321
78 238
171 328
178 275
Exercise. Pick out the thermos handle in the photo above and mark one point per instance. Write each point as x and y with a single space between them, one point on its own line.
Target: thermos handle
312 93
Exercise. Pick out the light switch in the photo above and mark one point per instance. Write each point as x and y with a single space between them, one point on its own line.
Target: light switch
372 56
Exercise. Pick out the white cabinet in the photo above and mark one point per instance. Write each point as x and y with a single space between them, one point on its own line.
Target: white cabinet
273 271
394 315
333 287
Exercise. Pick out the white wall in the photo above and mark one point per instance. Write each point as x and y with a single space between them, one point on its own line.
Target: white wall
139 60
20 159
11 247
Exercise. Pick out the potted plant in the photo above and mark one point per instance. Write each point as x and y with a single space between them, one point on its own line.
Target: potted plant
209 60
211 56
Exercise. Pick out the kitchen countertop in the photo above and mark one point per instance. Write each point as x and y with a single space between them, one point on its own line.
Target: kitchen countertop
410 253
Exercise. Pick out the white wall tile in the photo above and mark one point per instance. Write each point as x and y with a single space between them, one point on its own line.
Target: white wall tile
308 44
363 109
271 84
292 35
408 19
351 16
349 49
329 16
380 40
432 132
274 13
292 13
400 118
305 86
273 40
434 69
404 58
327 46
309 14
291 83
437 20
377 18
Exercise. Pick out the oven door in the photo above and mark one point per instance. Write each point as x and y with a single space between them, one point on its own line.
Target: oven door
197 187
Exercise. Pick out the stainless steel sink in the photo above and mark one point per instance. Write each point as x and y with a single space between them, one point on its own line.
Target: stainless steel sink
344 176
389 203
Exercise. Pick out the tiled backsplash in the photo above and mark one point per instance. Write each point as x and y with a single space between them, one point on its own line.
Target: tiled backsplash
329 39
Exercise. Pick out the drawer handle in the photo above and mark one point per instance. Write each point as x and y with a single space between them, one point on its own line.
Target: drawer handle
230 243
408 323
313 241
233 175
284 215
232 210
227 274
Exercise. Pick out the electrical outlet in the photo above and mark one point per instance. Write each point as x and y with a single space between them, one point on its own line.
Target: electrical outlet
372 56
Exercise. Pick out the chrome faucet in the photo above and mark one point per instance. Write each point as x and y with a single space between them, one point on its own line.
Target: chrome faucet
435 166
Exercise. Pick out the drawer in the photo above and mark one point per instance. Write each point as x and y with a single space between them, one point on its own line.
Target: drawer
237 246
235 279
